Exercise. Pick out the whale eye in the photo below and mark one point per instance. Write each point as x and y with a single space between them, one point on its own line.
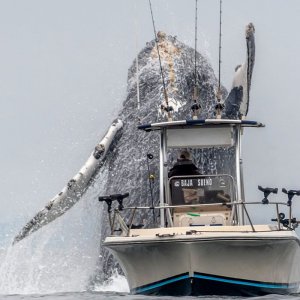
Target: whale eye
149 155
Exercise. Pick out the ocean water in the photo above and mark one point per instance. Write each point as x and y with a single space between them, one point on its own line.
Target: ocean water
35 280
126 296
117 289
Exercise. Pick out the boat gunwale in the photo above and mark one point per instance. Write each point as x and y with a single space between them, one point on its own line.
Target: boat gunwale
133 240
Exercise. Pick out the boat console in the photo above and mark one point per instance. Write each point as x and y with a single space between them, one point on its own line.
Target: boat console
202 189
214 190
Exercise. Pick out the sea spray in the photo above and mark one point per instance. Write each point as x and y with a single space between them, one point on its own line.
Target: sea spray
61 256
116 283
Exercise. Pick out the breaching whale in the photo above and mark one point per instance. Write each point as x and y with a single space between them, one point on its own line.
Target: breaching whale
123 151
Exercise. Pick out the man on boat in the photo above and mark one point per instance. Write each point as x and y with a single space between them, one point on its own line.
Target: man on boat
184 166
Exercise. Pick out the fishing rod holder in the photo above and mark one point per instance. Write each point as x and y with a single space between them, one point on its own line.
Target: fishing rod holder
267 191
167 108
195 109
291 194
111 198
286 222
292 222
281 219
219 107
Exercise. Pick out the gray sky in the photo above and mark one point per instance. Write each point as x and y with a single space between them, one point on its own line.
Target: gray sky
63 72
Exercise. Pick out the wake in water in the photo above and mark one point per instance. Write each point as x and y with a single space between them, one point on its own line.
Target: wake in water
116 283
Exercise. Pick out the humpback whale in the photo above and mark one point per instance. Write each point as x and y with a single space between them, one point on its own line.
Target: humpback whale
123 150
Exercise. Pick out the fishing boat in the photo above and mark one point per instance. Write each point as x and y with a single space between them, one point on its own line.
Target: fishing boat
202 240
206 242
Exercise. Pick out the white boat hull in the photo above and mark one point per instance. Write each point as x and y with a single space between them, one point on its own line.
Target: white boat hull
235 263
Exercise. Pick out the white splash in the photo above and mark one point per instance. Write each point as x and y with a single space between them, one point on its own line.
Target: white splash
61 257
116 283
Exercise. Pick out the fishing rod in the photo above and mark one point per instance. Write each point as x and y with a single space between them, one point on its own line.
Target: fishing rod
220 44
166 108
196 107
196 26
137 60
219 106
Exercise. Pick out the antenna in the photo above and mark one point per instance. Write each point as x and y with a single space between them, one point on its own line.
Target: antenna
219 106
166 107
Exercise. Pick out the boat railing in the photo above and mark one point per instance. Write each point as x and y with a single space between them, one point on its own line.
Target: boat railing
125 228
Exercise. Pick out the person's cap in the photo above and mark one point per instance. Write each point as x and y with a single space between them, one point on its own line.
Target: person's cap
184 155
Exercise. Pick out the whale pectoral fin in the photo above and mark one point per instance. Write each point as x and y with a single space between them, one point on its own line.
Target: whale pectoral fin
76 187
237 101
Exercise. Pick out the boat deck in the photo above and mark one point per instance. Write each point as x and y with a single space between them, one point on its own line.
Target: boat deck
201 229
202 233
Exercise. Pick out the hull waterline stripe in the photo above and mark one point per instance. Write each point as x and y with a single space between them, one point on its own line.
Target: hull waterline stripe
212 278
159 284
234 281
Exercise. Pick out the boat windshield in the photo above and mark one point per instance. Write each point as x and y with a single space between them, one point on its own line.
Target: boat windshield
201 189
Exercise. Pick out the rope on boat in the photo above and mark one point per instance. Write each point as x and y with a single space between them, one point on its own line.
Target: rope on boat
166 108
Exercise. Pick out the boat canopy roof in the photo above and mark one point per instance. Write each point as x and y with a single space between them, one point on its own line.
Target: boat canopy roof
200 122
